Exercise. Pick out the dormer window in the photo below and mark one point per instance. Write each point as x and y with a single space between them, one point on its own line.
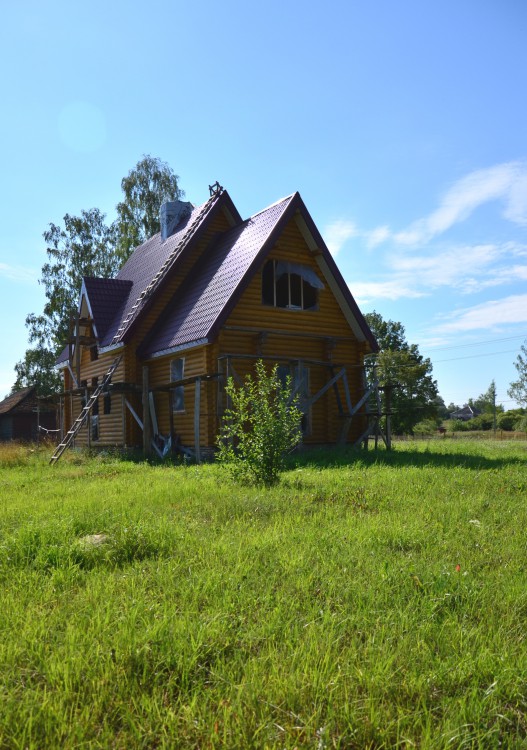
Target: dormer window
290 285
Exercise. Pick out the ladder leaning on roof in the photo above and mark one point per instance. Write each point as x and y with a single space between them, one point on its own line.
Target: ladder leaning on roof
205 209
70 435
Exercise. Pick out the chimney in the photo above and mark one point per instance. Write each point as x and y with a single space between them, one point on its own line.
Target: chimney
171 214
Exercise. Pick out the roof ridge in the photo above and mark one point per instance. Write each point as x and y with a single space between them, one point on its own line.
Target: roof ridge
272 205
160 275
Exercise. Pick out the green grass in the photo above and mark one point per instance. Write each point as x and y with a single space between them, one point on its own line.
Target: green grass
368 601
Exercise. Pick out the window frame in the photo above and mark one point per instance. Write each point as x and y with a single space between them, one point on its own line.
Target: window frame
178 392
295 372
267 283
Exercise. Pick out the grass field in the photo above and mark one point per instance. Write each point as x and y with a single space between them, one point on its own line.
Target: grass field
368 601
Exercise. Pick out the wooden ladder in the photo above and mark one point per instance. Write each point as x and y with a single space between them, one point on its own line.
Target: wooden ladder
70 435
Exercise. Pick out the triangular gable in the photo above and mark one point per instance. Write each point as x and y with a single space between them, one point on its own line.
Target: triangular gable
333 276
216 285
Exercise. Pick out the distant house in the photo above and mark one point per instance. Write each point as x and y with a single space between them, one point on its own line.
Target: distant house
21 413
202 301
466 413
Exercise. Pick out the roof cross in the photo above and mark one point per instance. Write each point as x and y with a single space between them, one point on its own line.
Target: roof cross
215 189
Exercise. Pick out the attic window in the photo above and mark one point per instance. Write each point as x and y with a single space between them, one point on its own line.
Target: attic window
290 285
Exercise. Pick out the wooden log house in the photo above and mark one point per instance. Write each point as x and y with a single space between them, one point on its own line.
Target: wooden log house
25 416
202 301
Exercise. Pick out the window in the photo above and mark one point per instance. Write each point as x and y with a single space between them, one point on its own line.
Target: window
94 353
290 285
94 425
107 403
177 368
300 387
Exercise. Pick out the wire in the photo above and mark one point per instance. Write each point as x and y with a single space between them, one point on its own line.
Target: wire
451 359
475 343
473 356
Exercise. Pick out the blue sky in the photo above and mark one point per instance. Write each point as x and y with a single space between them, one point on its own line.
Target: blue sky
403 126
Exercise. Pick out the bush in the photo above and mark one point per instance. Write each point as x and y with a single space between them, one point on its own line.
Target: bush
426 427
260 427
456 425
506 421
481 422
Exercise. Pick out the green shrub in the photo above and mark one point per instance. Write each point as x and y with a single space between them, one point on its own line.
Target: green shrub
521 424
260 427
481 422
506 421
456 425
426 427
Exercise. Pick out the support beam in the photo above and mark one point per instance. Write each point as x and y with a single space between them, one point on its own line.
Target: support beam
388 392
88 420
133 412
171 417
197 408
147 432
322 391
75 381
337 394
123 420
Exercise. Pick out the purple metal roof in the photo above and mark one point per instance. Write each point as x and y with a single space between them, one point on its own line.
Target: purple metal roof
107 298
213 283
212 288
142 266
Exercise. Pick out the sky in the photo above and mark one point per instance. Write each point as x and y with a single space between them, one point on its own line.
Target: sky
402 125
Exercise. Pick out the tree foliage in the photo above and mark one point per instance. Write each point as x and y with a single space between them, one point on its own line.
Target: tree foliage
37 369
261 426
145 188
518 388
400 364
86 245
486 402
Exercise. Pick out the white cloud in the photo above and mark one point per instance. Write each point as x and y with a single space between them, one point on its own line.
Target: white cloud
466 268
487 315
507 182
394 289
337 233
454 267
18 273
376 236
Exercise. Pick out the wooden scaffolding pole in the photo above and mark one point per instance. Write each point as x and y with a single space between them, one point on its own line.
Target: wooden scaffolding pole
147 431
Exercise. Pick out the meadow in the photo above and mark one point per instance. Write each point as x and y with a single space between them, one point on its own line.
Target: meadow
370 600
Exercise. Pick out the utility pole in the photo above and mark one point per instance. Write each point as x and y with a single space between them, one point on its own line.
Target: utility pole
494 407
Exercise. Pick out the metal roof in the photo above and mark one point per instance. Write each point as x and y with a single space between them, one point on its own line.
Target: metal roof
213 282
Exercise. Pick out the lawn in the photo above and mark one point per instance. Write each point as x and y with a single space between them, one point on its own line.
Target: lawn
368 601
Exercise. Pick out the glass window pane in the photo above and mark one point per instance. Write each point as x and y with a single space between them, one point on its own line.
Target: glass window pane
296 290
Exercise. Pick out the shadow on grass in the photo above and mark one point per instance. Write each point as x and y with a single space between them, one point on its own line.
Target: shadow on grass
324 458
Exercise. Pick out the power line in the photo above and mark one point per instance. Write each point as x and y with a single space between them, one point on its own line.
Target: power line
451 359
473 356
475 343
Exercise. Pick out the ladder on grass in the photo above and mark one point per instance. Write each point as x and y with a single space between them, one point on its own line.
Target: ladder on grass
83 416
